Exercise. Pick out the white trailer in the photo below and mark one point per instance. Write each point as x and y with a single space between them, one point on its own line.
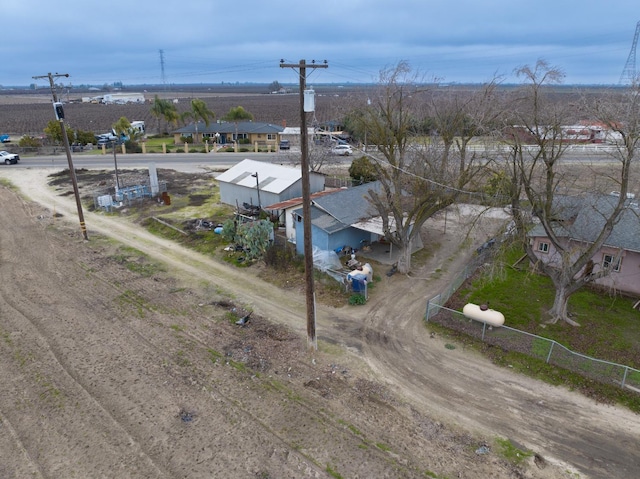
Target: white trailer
122 98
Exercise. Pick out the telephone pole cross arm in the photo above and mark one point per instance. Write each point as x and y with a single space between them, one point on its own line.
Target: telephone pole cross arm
59 111
306 200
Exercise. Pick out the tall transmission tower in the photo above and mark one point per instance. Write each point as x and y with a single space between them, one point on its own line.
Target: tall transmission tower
629 72
164 81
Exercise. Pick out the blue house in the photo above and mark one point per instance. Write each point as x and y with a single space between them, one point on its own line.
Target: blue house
343 218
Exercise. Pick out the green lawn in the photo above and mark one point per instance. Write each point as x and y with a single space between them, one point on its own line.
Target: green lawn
609 326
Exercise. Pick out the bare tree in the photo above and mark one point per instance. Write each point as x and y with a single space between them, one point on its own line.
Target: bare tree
419 178
538 129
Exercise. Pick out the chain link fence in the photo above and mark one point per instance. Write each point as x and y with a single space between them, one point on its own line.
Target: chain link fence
511 339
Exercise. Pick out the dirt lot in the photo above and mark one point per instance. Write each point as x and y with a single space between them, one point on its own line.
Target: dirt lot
121 365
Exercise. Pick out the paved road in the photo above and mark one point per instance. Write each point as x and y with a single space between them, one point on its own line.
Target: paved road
193 162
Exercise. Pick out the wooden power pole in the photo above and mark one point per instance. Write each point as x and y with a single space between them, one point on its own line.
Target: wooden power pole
57 107
306 200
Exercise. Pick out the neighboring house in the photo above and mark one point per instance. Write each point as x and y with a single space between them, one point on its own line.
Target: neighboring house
343 218
227 132
579 221
260 183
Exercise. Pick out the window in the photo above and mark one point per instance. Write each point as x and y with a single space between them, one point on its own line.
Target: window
609 262
543 247
271 136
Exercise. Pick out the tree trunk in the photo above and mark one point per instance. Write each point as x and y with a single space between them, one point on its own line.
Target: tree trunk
403 264
559 309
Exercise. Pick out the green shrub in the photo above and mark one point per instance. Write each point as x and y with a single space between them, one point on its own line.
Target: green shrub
357 299
30 142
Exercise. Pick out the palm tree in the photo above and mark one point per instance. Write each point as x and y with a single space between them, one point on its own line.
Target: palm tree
199 111
237 114
164 109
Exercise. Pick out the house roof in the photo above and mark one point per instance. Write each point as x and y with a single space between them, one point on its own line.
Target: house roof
272 178
283 205
585 218
230 127
343 209
350 205
324 221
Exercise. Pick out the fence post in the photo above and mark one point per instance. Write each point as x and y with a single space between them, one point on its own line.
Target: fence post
624 376
550 349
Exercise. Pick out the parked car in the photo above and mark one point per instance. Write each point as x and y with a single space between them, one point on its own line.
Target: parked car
342 150
8 158
284 144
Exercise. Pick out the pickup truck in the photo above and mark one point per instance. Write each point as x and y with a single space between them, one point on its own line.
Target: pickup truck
8 158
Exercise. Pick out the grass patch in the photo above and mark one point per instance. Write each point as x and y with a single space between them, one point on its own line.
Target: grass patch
332 472
510 452
138 262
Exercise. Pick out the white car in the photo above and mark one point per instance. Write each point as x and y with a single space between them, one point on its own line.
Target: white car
8 158
342 150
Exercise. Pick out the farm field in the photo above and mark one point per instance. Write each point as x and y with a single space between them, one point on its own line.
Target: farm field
28 113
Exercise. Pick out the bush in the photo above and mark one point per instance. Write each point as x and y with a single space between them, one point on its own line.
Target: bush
30 142
132 146
357 299
362 171
186 139
84 137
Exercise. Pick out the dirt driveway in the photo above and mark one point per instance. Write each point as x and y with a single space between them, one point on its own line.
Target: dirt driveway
107 372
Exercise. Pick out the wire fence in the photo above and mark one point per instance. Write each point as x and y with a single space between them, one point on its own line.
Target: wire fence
512 339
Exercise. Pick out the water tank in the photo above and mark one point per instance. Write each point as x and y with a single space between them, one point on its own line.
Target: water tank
483 314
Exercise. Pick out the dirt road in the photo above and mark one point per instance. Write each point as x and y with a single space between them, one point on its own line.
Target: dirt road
104 382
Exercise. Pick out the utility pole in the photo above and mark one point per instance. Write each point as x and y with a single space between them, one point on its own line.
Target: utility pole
57 108
306 200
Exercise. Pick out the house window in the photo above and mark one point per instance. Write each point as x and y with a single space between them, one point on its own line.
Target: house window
543 247
609 261
271 136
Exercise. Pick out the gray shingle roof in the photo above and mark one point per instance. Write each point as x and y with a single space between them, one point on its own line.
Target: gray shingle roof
350 205
343 208
229 127
589 218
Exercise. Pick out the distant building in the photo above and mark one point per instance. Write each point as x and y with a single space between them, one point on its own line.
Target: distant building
228 132
122 98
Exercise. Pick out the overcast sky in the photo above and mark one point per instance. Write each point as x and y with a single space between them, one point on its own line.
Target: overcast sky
243 41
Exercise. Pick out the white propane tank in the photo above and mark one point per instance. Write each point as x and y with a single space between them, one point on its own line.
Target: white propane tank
483 314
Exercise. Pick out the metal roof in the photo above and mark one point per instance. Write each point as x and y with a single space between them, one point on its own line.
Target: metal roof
272 178
283 205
